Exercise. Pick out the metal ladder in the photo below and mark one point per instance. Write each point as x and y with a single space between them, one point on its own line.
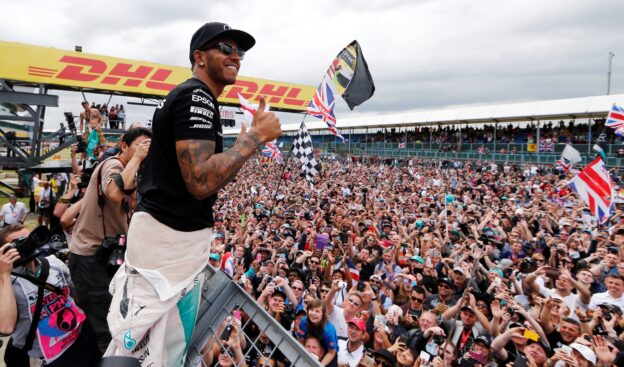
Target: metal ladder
220 297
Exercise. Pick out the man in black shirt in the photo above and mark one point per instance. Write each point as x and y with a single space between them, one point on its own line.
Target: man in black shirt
170 234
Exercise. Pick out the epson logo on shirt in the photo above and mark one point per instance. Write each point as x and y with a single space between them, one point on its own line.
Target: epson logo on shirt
202 111
202 99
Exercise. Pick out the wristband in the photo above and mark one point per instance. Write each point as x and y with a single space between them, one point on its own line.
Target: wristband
64 201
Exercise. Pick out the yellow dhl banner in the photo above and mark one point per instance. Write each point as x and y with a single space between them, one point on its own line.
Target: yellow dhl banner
36 64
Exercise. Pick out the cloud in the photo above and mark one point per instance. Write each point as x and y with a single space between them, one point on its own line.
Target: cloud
422 54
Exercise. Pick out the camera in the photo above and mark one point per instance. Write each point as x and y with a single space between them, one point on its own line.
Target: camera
438 339
71 125
27 246
112 253
85 177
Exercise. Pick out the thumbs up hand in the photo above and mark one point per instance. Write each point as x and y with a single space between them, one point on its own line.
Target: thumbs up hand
265 125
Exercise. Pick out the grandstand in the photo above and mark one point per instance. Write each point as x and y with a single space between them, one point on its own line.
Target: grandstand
521 132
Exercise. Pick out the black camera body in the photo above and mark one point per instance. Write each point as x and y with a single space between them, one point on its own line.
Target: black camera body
112 253
28 246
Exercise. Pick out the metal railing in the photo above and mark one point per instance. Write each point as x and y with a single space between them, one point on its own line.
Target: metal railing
221 298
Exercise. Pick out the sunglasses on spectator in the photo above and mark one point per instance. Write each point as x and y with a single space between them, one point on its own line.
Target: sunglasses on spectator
315 262
228 49
355 303
382 363
296 288
226 351
416 299
324 290
445 286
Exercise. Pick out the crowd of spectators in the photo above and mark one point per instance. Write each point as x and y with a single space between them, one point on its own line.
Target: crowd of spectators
560 132
114 116
415 265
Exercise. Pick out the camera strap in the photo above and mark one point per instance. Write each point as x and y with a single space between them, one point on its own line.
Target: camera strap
43 276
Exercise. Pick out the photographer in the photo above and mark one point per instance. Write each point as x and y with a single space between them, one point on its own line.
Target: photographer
104 214
58 336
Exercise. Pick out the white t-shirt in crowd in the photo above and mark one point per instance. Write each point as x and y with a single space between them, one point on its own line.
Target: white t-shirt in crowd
571 300
340 324
600 298
351 359
13 214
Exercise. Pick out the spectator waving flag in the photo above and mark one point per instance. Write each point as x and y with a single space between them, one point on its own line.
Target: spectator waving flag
615 120
322 107
349 74
303 151
594 186
272 152
569 157
355 274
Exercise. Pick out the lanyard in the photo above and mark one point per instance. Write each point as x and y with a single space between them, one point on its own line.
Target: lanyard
465 336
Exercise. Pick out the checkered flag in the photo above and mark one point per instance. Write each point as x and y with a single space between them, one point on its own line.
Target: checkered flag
302 148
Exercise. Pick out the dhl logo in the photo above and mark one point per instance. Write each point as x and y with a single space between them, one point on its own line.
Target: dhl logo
83 69
159 80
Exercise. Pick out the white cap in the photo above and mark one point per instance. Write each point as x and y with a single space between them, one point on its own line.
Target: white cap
585 351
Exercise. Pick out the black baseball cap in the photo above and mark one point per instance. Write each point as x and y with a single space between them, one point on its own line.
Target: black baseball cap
212 30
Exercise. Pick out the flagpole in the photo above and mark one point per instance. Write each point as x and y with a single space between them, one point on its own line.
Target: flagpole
292 146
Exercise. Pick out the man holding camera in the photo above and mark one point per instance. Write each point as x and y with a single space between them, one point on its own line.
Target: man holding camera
169 237
38 289
104 215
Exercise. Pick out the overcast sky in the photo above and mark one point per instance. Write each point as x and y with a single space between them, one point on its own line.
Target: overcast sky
422 54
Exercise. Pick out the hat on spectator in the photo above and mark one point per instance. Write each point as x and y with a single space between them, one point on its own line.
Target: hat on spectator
384 353
446 281
556 297
611 308
564 222
359 323
376 277
279 292
214 257
212 30
468 308
418 258
497 271
458 269
585 351
264 249
485 340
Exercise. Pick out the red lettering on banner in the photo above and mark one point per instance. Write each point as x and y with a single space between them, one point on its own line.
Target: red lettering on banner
74 72
270 90
160 76
291 98
134 77
240 87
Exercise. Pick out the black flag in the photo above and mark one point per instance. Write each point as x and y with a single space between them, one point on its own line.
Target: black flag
350 76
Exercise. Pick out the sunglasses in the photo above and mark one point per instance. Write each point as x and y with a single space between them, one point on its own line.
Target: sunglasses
296 288
355 303
382 363
416 299
324 290
228 49
445 286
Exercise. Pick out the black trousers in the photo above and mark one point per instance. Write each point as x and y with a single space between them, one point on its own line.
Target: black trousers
91 283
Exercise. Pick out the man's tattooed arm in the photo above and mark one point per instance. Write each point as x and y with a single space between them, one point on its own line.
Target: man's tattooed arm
204 172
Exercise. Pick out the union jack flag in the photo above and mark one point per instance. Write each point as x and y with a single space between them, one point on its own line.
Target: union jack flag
546 145
593 184
615 120
272 152
563 164
322 107
355 274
